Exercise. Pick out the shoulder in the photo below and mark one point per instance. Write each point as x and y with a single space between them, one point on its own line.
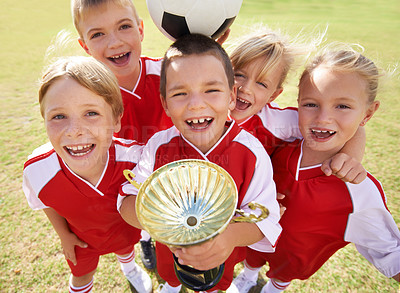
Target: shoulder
41 167
42 155
152 65
127 150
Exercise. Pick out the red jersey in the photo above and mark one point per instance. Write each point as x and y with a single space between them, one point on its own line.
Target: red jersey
89 210
323 215
244 158
143 112
273 126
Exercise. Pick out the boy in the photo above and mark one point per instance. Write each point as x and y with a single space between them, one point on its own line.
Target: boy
76 177
198 102
323 213
111 31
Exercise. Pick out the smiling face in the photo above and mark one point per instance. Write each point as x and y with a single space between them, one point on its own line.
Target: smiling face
332 105
111 34
198 101
80 125
253 93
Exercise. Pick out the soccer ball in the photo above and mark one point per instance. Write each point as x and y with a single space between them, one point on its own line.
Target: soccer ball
175 18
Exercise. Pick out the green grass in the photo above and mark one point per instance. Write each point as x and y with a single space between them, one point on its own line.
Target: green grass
30 253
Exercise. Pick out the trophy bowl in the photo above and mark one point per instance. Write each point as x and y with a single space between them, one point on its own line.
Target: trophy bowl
188 202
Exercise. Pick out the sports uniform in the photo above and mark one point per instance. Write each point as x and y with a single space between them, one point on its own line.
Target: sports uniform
89 210
273 126
143 112
323 215
239 153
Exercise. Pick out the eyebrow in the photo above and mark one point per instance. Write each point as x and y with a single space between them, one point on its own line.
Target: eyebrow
95 29
208 83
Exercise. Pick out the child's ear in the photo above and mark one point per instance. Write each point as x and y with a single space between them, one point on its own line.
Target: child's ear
370 112
275 94
141 29
164 104
232 98
117 126
83 45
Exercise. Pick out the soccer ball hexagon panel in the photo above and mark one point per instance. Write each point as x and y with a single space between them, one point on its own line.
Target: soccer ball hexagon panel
175 18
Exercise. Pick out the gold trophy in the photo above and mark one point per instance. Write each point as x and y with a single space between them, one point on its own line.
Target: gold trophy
188 202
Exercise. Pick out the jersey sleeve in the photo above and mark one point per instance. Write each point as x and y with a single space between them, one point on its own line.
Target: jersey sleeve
282 123
141 172
372 228
262 190
33 199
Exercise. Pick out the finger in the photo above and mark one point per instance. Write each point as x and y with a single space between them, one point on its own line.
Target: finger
326 168
82 244
280 196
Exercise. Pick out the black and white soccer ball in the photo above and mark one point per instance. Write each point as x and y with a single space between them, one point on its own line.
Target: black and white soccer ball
175 18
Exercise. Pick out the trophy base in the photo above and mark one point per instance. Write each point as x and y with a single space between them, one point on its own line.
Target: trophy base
197 280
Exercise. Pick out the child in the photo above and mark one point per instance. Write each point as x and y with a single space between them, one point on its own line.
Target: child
112 32
76 177
323 213
261 64
198 102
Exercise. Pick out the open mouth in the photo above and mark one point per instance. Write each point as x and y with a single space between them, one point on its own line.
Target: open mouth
79 150
120 59
199 124
242 104
322 134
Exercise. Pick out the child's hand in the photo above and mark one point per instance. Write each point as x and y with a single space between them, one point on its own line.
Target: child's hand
68 244
224 37
205 256
344 167
282 209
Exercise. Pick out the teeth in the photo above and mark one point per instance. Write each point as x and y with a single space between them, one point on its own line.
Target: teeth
79 147
119 56
201 120
324 131
243 101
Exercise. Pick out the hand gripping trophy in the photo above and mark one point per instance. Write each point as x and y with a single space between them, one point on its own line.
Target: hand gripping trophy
188 202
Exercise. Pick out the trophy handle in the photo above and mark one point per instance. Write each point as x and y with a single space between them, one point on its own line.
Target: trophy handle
252 218
129 176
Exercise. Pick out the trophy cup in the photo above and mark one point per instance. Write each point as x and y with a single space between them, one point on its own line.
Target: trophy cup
188 202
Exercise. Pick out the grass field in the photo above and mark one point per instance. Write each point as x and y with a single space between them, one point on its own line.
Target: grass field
30 253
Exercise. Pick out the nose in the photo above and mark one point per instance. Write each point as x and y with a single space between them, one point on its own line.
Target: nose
114 41
196 101
73 128
324 115
244 87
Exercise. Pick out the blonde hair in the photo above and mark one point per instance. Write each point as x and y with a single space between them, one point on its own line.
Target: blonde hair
277 49
345 58
89 73
79 7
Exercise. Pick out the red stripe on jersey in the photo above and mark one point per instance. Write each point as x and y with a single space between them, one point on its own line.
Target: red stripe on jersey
38 158
379 186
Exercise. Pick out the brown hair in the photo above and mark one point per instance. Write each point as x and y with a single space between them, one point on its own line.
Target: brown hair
195 44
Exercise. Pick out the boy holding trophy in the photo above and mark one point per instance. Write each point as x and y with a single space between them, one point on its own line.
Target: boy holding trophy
197 92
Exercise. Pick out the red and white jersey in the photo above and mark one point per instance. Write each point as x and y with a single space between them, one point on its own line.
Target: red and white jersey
273 126
238 152
244 158
143 112
324 214
89 210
